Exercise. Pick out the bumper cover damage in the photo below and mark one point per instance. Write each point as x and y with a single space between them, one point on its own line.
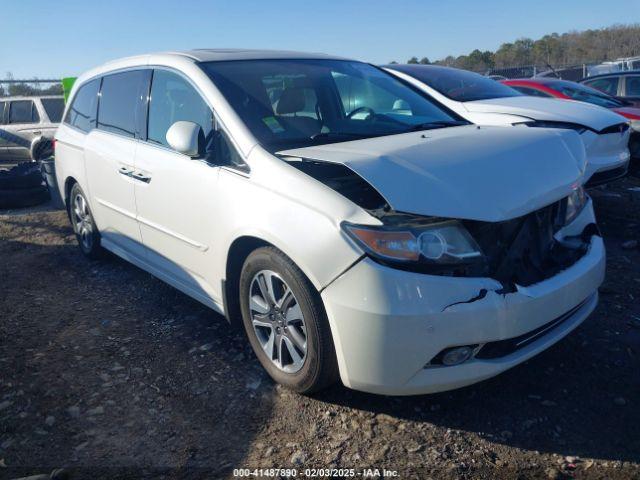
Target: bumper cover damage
388 324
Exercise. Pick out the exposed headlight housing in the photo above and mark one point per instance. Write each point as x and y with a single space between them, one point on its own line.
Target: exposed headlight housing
574 204
551 124
438 243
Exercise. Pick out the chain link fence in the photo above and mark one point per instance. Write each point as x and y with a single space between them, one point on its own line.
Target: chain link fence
29 88
571 72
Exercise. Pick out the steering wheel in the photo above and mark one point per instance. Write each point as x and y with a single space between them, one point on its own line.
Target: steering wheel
372 113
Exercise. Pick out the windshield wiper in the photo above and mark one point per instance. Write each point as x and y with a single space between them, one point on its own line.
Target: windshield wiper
437 124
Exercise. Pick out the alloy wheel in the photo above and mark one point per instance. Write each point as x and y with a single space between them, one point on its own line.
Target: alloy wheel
278 321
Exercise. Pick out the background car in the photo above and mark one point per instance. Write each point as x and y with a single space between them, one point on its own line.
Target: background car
622 85
563 89
26 119
487 102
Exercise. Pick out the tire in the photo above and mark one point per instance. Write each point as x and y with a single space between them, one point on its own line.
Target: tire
84 226
22 176
24 197
319 365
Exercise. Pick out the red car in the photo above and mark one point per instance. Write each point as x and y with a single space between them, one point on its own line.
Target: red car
563 89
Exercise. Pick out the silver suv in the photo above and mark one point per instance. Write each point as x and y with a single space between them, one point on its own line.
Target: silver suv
24 119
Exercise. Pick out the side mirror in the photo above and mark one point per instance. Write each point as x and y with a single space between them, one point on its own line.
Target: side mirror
186 137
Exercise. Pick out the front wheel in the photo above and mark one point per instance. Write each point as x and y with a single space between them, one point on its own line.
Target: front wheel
286 323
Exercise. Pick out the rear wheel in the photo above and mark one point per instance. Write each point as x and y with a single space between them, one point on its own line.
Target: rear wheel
83 224
286 323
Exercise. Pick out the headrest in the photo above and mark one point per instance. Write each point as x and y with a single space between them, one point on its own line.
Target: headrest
292 100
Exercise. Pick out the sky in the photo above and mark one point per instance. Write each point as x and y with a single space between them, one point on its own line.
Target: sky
56 38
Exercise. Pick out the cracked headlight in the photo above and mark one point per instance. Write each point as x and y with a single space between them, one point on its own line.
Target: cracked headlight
574 205
441 243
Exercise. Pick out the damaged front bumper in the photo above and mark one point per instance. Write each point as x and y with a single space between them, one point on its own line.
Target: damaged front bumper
389 325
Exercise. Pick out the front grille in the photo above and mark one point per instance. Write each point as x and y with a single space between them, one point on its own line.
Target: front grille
502 348
523 250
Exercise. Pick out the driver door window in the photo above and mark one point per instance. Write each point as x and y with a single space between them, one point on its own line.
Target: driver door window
173 99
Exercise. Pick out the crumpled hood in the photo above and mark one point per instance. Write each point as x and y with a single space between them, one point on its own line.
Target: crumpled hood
549 109
469 172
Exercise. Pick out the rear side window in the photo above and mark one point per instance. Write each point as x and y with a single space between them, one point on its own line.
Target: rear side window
633 87
607 85
119 102
3 105
54 108
82 112
23 111
173 99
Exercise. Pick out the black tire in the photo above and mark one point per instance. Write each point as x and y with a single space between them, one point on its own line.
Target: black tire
320 368
22 176
24 197
88 240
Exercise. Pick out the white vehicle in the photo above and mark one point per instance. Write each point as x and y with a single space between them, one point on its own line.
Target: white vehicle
486 102
405 252
24 120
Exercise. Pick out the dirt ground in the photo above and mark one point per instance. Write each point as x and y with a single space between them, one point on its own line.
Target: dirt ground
109 373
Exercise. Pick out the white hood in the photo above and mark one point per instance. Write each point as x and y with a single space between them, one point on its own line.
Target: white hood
477 173
549 109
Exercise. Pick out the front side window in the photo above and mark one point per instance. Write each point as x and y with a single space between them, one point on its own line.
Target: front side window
173 99
632 87
297 103
458 85
82 111
119 95
23 111
607 85
54 108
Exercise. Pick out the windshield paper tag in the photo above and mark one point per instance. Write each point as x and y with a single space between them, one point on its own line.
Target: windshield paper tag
273 124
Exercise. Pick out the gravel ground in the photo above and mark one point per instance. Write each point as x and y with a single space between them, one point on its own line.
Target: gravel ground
110 373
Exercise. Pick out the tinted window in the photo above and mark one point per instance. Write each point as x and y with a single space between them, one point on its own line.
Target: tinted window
118 107
607 85
632 87
2 107
532 92
587 94
456 84
173 99
290 103
54 108
23 111
82 112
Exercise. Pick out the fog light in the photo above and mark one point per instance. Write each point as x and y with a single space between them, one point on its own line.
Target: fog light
456 356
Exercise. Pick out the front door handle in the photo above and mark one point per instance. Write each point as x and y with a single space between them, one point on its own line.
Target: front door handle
127 172
141 176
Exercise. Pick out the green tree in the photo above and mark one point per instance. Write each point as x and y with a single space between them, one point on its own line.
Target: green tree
413 60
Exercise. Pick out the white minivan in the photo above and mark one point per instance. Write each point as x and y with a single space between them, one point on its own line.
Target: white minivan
402 252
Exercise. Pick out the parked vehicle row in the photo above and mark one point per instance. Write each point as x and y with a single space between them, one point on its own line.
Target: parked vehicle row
486 102
564 90
357 227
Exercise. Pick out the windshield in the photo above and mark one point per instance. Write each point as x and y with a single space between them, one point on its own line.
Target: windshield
456 84
297 103
587 94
